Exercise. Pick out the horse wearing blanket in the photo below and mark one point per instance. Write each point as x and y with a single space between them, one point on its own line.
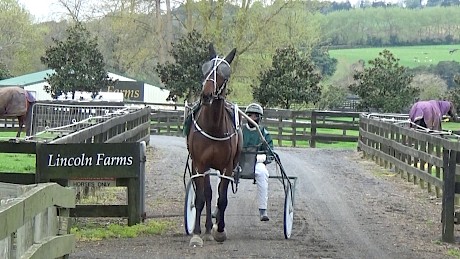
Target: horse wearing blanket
16 102
428 114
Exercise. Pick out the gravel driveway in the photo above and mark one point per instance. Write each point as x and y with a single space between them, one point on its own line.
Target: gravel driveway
345 207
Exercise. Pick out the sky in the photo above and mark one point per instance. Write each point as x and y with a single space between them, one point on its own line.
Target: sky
43 10
46 10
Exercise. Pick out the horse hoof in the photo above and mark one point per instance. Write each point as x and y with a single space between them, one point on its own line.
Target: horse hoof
218 236
208 237
196 241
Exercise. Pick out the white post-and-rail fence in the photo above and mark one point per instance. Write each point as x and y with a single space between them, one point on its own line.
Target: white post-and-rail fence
34 221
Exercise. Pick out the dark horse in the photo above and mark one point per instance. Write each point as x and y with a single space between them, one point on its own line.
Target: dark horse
428 114
214 141
16 102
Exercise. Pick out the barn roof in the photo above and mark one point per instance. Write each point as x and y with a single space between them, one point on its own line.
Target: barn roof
28 79
38 77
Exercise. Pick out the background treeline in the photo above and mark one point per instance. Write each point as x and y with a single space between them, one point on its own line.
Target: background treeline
136 35
392 26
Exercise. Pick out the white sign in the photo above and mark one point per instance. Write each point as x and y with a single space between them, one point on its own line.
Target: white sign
94 182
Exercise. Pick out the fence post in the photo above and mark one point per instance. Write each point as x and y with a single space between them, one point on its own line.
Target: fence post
448 195
143 159
134 200
294 129
280 131
313 129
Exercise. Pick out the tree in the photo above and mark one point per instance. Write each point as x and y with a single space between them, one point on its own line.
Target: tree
183 76
431 86
385 85
292 79
447 71
413 4
332 97
4 72
78 64
19 40
336 6
431 3
454 93
323 61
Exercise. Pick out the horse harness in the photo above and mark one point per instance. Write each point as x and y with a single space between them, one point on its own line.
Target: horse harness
237 127
236 124
220 67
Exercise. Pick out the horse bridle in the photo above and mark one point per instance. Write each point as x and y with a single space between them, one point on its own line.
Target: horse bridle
214 70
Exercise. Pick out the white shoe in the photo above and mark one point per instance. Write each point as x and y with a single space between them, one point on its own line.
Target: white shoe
263 215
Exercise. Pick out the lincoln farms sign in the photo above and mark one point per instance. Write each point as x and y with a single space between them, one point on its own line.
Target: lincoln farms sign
88 161
84 160
98 159
97 165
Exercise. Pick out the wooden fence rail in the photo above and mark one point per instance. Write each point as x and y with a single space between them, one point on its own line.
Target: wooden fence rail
287 127
427 160
132 128
34 221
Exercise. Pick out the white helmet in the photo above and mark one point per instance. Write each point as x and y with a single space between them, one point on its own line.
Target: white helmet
254 108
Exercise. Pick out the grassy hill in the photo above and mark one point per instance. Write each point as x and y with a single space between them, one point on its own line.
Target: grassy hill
412 56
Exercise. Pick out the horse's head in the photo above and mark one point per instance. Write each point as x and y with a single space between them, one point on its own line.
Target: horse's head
216 72
452 111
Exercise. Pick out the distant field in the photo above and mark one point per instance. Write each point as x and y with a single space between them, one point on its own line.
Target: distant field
408 56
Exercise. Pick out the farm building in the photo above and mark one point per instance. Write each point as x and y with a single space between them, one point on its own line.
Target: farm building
131 89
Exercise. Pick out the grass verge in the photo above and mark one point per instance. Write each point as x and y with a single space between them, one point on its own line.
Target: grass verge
97 231
19 163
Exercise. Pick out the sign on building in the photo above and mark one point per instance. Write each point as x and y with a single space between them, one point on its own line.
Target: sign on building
132 90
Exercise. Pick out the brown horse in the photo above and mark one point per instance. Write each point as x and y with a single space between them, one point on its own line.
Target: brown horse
16 102
214 141
428 114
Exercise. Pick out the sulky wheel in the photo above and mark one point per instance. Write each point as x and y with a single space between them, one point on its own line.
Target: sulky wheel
288 212
189 208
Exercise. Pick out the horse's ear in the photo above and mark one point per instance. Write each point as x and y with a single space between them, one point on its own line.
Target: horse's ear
230 56
212 51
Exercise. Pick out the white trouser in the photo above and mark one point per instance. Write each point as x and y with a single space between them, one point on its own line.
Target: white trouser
261 175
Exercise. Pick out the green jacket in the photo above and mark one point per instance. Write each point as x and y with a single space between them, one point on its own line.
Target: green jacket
251 138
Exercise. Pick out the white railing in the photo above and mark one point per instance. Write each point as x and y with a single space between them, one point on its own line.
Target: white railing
34 221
